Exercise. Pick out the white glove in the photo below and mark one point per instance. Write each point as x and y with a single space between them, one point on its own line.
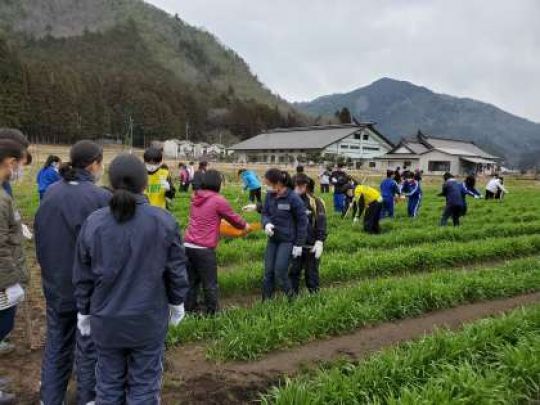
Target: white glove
176 314
15 294
27 233
83 324
317 249
296 251
355 219
165 185
269 230
250 208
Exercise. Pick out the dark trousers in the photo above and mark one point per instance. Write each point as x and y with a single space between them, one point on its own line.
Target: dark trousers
339 202
325 188
63 345
202 269
7 321
490 195
387 208
413 206
372 217
129 376
347 201
454 211
310 265
255 195
276 267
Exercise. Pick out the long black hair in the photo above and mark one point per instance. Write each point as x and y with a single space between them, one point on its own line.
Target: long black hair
276 176
128 177
82 155
50 160
470 181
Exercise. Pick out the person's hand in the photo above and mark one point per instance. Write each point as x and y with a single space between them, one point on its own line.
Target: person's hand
165 185
176 314
317 249
269 230
27 233
83 324
15 294
247 228
249 208
296 251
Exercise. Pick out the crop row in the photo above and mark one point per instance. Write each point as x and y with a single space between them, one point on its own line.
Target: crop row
343 267
247 333
493 361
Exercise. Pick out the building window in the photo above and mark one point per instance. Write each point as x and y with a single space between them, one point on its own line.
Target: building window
406 164
372 165
355 147
371 149
344 146
438 166
366 137
356 136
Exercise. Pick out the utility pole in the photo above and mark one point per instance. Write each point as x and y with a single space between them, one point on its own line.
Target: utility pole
187 131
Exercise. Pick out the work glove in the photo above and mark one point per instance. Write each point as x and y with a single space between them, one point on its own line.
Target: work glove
269 230
296 251
249 208
27 233
165 185
15 294
83 324
176 314
355 219
317 249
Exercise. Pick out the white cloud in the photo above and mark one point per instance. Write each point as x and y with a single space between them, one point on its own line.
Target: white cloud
301 49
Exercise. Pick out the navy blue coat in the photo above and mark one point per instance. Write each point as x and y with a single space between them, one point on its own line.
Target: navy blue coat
127 274
60 216
287 213
452 190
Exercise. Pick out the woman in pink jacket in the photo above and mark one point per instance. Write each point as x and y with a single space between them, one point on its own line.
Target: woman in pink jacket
208 208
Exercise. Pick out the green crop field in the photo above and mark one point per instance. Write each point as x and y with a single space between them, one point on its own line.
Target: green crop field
412 270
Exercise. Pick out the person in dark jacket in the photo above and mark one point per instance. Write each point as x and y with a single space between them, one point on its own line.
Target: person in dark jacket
468 188
208 208
198 176
339 180
62 212
452 191
130 282
48 175
285 222
316 236
389 190
412 190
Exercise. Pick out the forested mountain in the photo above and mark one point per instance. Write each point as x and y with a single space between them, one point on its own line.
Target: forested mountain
72 69
401 108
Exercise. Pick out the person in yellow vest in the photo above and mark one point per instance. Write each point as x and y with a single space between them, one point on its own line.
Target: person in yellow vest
160 187
368 199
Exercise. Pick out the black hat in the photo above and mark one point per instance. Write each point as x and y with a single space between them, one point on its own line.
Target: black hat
127 172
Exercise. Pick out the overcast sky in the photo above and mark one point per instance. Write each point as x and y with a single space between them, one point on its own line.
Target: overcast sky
302 49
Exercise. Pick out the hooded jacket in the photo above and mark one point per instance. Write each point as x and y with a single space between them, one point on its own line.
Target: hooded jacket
60 216
250 180
126 275
208 208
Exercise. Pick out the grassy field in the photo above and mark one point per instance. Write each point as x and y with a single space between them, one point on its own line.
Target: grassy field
414 268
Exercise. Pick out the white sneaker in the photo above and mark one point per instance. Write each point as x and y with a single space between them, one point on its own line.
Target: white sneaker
6 348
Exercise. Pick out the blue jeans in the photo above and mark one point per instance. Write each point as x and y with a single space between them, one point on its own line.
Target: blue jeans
276 267
63 345
339 202
7 321
129 375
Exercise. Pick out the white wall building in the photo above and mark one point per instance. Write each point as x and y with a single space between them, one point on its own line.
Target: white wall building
176 149
358 143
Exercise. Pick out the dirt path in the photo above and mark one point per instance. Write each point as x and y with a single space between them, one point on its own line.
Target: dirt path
192 379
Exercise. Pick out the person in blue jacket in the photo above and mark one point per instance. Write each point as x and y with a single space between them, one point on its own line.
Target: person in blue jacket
252 183
130 282
62 212
285 222
413 191
48 175
468 188
389 191
452 190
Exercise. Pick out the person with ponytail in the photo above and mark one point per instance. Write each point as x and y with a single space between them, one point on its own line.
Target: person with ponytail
130 282
63 210
285 223
48 175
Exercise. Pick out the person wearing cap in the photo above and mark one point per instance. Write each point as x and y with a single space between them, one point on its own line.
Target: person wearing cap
13 269
63 210
316 236
368 199
130 283
160 186
208 208
389 190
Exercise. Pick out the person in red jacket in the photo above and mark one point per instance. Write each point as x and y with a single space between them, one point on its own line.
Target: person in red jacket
208 208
